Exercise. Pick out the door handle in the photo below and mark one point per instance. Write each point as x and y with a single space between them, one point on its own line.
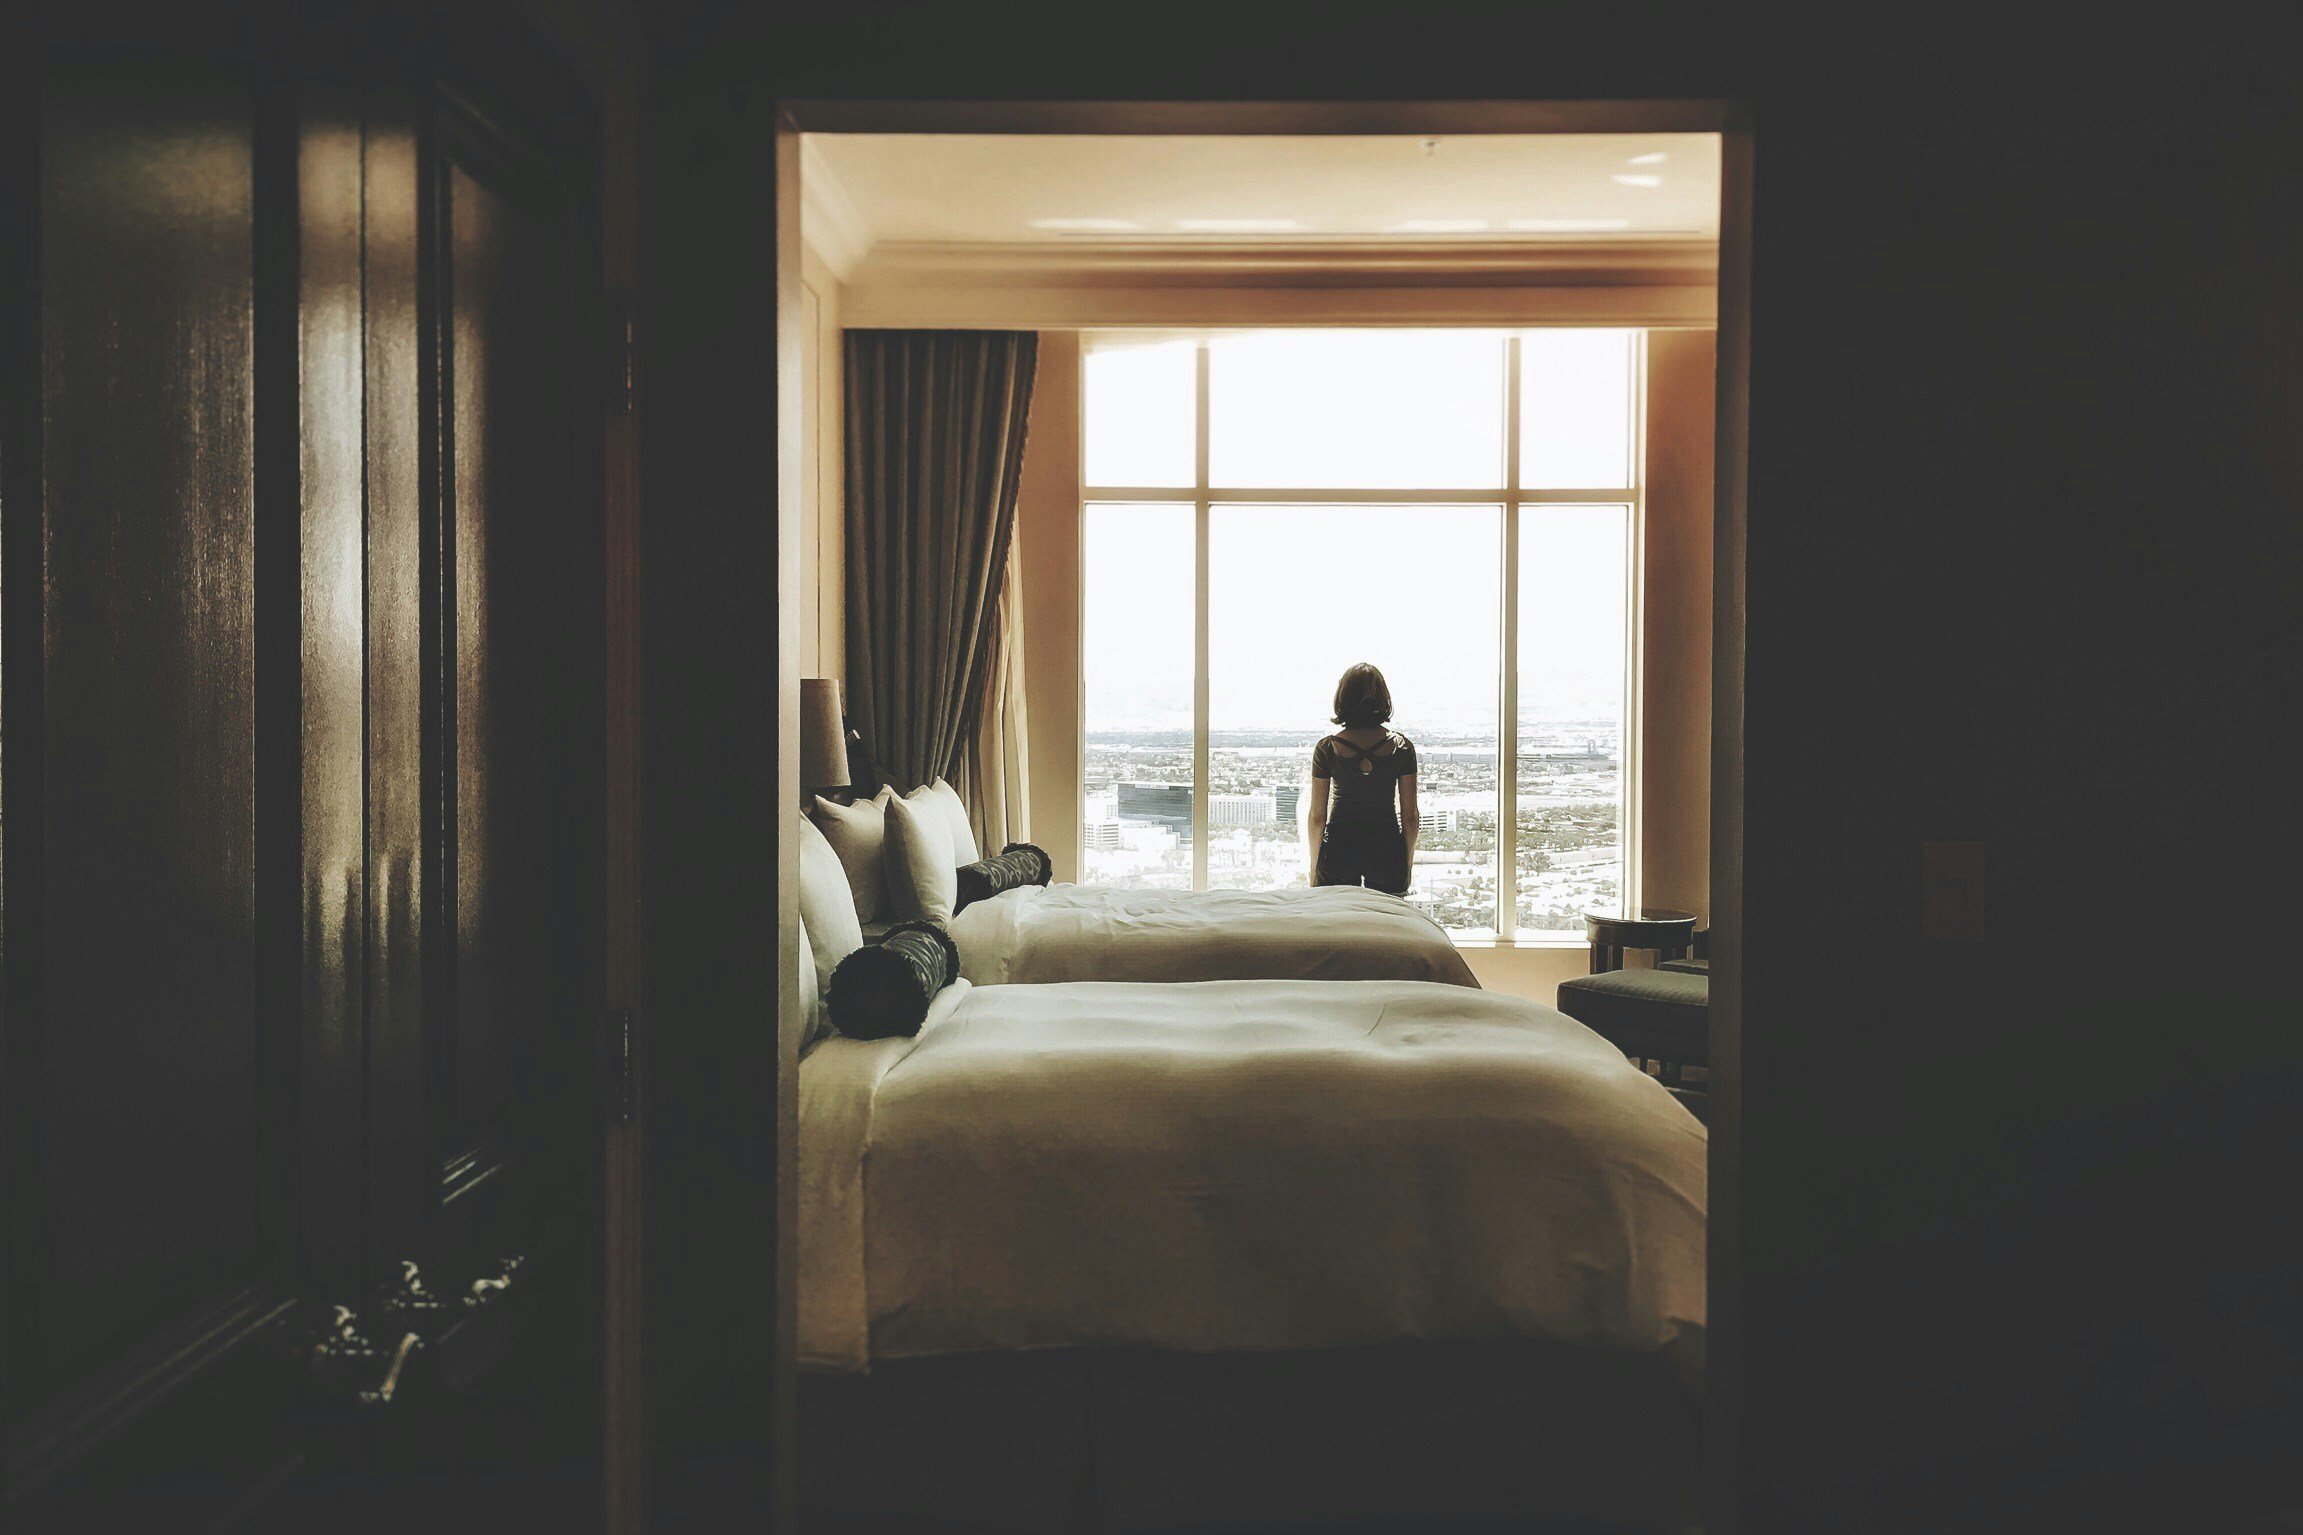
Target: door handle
491 1287
411 1299
344 1355
340 1343
382 1394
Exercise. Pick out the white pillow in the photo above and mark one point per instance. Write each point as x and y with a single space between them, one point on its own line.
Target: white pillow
921 875
827 907
964 849
814 1015
858 833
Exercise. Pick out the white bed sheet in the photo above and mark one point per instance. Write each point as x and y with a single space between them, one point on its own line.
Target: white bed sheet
1097 933
1242 1165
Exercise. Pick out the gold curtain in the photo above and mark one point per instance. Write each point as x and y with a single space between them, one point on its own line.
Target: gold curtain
994 763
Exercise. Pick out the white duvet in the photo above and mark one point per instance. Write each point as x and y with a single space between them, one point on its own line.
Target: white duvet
1242 1165
1095 933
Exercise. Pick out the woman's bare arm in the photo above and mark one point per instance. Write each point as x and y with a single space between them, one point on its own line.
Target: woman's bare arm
1315 821
1410 820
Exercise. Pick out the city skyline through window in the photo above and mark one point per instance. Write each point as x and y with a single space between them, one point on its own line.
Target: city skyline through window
1264 508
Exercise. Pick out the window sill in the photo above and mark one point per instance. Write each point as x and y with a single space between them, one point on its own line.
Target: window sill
1549 941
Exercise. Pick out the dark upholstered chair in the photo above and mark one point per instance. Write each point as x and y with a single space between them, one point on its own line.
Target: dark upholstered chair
1698 961
1659 1015
1662 1015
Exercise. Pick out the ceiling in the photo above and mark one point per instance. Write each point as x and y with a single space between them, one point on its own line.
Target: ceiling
868 191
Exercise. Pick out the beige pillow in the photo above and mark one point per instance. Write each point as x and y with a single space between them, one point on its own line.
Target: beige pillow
827 906
964 849
858 834
921 875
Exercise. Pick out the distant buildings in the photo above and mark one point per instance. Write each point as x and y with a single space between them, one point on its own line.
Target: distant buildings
1170 805
1162 804
1137 832
1240 810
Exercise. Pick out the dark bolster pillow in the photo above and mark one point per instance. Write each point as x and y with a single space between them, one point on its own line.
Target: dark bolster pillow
884 988
1019 864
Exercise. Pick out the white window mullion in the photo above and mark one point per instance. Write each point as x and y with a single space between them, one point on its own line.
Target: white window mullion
1199 729
1315 495
1507 705
1631 807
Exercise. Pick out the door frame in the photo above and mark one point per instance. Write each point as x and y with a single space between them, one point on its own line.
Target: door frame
1731 118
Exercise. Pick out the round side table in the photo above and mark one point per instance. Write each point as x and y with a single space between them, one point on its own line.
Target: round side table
1669 933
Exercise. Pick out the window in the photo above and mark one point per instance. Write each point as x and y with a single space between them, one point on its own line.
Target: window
1459 507
1136 669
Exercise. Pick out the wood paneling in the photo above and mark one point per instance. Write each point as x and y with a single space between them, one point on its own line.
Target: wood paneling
488 1000
331 878
521 686
147 1095
401 653
230 538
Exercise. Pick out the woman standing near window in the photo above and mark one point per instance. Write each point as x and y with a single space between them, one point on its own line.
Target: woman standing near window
1367 835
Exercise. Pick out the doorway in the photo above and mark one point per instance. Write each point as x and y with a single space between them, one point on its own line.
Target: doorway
802 434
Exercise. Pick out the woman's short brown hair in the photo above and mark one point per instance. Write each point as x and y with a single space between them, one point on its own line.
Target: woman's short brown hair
1362 698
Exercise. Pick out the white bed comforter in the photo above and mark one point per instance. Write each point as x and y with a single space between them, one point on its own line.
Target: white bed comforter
1242 1165
1092 933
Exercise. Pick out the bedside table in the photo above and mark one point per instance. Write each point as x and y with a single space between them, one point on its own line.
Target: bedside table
1610 931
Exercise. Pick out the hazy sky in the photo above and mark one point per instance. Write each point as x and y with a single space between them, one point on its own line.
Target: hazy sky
1297 593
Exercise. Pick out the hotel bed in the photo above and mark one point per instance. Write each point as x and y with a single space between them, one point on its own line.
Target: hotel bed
1099 933
1125 1256
900 857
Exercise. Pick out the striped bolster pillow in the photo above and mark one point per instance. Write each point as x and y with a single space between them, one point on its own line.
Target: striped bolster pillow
1019 864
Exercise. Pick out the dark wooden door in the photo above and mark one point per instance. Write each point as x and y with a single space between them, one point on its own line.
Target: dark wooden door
300 773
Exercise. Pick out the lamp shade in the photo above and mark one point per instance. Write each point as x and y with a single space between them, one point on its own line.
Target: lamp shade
823 735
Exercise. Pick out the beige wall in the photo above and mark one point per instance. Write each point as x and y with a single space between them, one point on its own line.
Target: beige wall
823 521
1048 562
1527 970
1675 671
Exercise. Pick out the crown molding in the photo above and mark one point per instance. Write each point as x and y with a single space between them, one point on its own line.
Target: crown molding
1357 263
1047 307
829 221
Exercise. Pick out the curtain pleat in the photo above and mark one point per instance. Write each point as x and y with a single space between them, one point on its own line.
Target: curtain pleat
935 439
995 762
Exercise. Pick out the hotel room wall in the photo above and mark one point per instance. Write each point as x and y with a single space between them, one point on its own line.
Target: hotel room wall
1675 670
1527 970
823 502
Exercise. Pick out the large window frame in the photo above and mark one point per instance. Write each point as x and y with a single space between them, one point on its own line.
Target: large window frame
1515 501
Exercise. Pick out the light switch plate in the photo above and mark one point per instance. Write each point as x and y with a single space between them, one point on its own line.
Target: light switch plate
1951 892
